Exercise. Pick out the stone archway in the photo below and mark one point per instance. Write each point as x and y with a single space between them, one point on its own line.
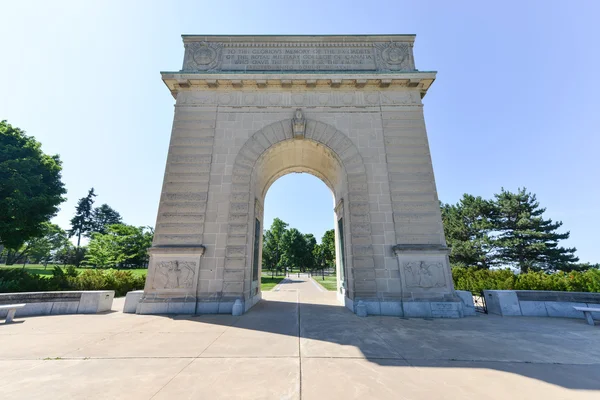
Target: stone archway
236 102
323 151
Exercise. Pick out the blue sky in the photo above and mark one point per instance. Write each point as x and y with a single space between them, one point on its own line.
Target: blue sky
515 102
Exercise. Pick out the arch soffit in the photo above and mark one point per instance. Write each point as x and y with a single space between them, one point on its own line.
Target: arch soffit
340 145
298 169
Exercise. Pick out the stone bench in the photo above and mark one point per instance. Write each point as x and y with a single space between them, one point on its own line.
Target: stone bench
587 311
12 309
541 303
61 302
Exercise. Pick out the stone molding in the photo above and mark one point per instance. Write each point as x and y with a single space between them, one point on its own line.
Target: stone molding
174 249
408 98
400 249
182 81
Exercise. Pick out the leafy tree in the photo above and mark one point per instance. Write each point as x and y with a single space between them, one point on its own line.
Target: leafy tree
44 248
328 248
102 251
309 262
468 226
104 216
293 246
272 250
121 246
30 187
83 223
525 239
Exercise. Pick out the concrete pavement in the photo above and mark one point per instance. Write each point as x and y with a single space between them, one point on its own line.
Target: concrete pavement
297 344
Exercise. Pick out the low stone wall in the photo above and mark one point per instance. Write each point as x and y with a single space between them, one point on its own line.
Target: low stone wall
54 303
540 303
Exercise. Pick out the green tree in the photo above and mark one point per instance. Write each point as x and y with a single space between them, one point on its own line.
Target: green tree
30 187
83 223
121 246
104 216
525 239
468 226
44 248
272 245
309 263
293 246
102 251
328 248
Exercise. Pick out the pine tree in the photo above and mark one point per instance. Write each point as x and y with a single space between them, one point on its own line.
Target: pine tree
525 239
82 222
468 226
103 217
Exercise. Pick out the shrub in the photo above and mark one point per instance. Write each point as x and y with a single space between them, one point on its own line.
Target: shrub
19 280
476 280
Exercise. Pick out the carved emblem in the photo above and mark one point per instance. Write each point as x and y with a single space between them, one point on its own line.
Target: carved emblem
175 275
395 56
202 56
298 125
424 274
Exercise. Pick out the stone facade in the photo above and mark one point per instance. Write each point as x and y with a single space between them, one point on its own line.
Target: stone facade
347 109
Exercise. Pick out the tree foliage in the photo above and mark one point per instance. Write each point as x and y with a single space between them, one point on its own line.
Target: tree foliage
286 249
328 248
525 239
83 223
509 230
272 249
30 187
43 249
104 216
467 226
121 246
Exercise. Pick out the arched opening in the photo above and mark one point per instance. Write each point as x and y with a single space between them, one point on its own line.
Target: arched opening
306 157
320 150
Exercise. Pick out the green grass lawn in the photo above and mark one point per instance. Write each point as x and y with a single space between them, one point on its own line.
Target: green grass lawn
267 282
39 269
329 283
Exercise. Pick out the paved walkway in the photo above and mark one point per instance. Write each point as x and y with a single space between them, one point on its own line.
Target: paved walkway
298 344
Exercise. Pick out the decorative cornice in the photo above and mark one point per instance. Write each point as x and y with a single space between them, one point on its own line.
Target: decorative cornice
181 81
292 39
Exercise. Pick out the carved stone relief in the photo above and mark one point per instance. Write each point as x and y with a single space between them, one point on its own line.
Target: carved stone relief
174 274
394 56
298 125
202 56
424 274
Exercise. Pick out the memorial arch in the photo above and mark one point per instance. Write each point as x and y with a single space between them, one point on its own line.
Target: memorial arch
347 109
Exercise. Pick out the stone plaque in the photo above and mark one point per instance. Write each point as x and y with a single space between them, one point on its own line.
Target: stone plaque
298 58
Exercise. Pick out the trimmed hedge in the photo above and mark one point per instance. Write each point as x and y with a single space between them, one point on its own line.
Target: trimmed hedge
19 280
476 280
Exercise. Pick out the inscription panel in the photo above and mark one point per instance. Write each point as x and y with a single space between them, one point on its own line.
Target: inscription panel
298 59
289 56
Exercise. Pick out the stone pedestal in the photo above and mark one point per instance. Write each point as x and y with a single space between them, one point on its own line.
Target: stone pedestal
172 281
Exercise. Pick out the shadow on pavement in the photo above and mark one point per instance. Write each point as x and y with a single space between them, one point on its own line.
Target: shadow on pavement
558 351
